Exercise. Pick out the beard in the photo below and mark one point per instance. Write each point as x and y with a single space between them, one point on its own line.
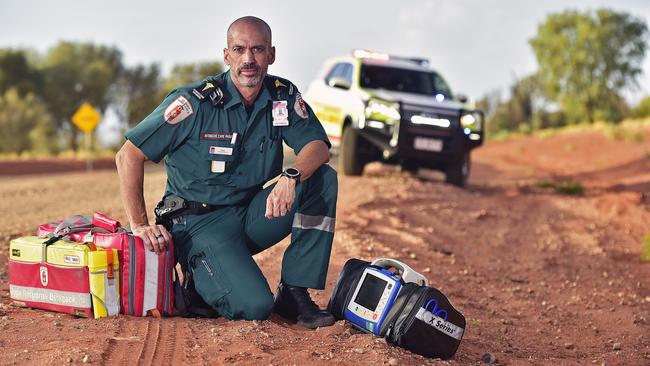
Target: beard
249 81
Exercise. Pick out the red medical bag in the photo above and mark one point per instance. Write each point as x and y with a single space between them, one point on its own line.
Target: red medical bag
146 278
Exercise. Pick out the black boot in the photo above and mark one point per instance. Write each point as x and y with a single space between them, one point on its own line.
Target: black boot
294 303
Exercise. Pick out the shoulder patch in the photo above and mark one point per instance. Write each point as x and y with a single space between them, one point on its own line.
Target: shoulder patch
278 83
299 107
178 110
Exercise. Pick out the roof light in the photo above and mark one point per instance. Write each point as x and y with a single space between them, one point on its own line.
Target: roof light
370 55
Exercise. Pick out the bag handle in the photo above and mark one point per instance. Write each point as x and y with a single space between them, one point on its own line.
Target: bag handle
105 222
54 239
407 273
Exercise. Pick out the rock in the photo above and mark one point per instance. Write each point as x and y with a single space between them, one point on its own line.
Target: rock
69 360
2 313
413 256
392 361
569 346
488 358
85 359
616 346
381 340
57 323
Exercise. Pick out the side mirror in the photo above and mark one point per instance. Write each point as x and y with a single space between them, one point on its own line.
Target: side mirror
462 98
338 82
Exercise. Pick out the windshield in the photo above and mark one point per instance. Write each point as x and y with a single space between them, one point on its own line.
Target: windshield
403 80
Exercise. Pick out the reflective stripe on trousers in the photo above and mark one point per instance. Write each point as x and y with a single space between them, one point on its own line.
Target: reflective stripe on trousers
322 223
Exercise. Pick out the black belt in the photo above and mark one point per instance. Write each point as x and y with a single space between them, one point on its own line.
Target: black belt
198 208
173 206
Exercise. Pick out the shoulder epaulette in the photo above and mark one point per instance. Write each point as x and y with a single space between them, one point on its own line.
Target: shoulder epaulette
211 89
282 88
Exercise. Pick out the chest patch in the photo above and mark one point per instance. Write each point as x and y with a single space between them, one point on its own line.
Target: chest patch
178 110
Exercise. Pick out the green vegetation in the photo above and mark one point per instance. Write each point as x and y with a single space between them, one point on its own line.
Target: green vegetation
40 92
586 60
645 248
567 187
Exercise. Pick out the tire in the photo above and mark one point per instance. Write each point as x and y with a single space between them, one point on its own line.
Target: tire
457 172
351 160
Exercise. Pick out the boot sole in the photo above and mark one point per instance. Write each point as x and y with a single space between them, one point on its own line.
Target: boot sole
323 322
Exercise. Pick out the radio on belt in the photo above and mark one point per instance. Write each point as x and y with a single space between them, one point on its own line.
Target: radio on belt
377 289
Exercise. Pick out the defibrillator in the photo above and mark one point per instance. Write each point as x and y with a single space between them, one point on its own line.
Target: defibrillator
378 286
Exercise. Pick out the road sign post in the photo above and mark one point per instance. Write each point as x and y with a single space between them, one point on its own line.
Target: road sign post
86 119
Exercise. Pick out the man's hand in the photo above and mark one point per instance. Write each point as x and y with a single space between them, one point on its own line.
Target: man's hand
281 198
155 237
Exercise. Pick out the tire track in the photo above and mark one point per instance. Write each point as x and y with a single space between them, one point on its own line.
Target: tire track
120 349
148 341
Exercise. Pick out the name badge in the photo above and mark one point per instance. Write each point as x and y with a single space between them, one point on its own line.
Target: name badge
280 113
220 150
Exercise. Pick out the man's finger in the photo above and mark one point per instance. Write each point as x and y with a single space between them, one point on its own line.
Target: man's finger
167 236
276 208
268 211
147 244
153 240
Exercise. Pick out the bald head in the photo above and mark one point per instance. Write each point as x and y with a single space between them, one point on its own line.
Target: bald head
249 21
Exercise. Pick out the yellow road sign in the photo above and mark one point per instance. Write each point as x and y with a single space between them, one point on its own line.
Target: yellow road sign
86 117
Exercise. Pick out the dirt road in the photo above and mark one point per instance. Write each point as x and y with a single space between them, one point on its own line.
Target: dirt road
542 277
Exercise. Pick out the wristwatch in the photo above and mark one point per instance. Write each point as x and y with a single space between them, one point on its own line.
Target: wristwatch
292 173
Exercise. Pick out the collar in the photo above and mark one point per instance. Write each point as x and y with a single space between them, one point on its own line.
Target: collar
262 98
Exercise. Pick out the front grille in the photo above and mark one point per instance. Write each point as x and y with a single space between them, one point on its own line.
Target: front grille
408 127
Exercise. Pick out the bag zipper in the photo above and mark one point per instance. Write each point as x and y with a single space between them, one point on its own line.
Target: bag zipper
411 316
396 316
167 268
132 274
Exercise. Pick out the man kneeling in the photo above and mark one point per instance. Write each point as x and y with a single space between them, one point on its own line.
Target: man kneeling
221 139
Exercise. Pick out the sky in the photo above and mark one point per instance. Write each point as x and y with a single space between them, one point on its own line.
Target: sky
477 46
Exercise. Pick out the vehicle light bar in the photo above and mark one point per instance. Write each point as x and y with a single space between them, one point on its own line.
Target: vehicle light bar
422 120
358 53
370 54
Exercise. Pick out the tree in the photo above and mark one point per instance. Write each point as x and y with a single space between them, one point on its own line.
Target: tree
642 109
525 110
138 93
188 73
19 116
77 72
17 72
587 58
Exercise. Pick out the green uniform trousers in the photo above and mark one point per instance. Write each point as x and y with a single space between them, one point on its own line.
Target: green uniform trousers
217 247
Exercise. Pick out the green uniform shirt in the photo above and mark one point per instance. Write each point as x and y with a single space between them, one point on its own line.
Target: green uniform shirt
223 155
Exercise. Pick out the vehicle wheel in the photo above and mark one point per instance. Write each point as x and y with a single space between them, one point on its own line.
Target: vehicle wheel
457 172
351 160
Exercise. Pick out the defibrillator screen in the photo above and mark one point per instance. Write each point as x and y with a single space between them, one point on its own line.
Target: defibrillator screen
370 292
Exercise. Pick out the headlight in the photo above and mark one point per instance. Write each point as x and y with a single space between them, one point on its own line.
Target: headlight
472 121
382 111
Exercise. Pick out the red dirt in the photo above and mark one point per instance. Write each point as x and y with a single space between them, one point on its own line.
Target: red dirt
542 278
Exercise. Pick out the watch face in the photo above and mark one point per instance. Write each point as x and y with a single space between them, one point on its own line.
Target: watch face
292 172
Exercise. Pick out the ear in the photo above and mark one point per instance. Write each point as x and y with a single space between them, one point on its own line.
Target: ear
272 56
226 56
